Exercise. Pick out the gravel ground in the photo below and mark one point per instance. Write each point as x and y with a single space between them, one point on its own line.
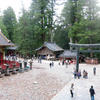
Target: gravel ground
40 83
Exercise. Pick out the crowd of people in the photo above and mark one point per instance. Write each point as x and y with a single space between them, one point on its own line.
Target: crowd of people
23 61
79 74
84 74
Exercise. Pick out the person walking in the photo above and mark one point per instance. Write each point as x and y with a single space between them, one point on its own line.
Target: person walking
66 63
75 74
79 74
71 90
92 93
50 64
94 70
31 64
63 62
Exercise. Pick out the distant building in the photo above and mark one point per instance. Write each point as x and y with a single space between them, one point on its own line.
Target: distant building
67 54
49 50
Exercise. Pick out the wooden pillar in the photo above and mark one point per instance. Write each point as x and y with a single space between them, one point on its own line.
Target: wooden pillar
2 54
77 60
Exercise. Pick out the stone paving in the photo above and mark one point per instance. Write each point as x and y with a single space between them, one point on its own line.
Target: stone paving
81 86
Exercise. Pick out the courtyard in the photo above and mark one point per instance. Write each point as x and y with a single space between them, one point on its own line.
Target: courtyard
45 83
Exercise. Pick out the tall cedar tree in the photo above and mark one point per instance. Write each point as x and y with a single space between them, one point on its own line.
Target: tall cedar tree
26 36
9 20
42 15
3 27
81 17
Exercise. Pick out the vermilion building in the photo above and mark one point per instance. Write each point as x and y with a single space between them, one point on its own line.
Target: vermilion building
4 42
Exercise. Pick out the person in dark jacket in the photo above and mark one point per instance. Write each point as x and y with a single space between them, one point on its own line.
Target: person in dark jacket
71 90
92 93
75 74
50 64
94 70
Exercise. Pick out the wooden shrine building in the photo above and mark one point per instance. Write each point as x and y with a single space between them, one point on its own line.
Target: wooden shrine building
12 51
49 50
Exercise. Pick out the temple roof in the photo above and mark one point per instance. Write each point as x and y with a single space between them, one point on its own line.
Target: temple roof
68 54
4 41
51 46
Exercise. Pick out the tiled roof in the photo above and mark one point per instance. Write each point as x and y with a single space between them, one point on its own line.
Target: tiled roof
51 46
4 41
12 48
68 53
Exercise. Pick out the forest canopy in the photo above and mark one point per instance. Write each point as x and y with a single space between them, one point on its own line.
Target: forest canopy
79 23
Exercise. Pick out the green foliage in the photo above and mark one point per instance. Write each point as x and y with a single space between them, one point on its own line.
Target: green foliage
9 20
34 25
82 21
25 33
61 37
86 30
2 27
42 13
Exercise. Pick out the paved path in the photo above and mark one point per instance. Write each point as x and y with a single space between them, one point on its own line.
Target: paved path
81 89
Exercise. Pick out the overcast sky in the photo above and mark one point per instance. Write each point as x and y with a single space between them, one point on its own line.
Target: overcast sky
17 5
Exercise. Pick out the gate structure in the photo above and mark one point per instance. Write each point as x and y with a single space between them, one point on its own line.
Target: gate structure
76 47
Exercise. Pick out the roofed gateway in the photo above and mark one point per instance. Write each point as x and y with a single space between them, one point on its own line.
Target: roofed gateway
49 49
77 49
